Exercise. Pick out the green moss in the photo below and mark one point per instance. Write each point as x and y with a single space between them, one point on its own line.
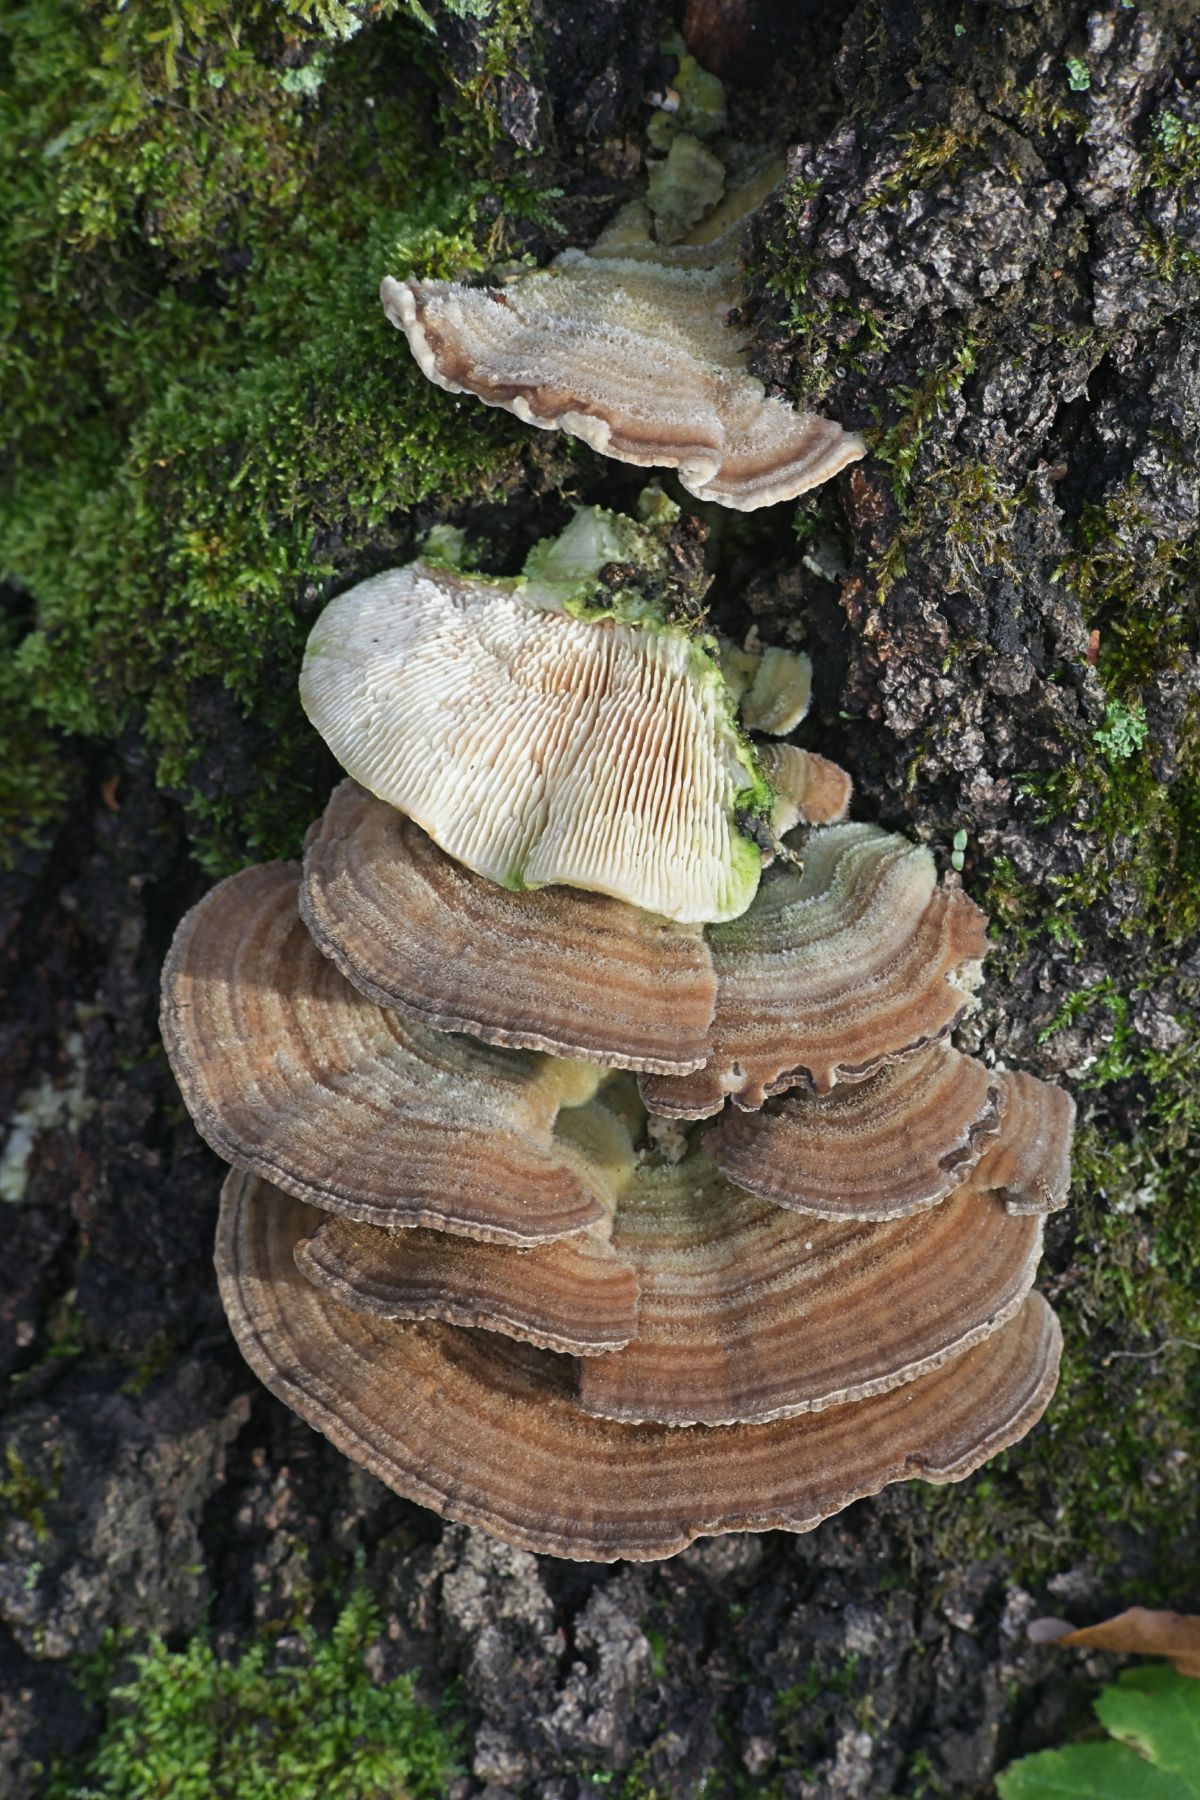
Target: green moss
1171 164
196 1727
1119 1445
831 338
963 504
159 1355
1117 1450
25 1493
1046 114
207 417
915 409
933 153
816 1681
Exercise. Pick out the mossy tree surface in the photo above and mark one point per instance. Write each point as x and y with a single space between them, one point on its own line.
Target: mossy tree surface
986 258
207 421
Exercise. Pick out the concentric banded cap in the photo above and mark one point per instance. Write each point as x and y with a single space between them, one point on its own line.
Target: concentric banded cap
748 1312
487 1430
893 1144
290 1073
575 1294
558 969
1029 1166
839 966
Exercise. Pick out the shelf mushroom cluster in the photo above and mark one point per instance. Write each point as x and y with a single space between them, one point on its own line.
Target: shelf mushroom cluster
602 1173
597 1226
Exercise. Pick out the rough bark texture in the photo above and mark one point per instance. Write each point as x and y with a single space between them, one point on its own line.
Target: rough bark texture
986 256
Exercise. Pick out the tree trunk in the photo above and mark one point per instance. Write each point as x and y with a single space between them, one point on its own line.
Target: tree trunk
986 257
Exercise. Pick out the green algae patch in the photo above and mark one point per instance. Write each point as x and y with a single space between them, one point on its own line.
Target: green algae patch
203 428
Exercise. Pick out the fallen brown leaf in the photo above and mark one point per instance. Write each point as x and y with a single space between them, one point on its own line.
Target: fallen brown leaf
1138 1631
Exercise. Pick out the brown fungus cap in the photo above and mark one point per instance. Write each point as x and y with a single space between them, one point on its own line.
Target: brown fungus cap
629 347
1029 1167
809 789
288 1072
486 1431
751 1313
839 966
561 970
574 1294
894 1144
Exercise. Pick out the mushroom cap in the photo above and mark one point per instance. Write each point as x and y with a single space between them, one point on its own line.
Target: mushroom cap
573 973
535 747
750 1313
809 789
894 1144
777 687
290 1073
486 1431
574 1294
852 960
633 354
1029 1166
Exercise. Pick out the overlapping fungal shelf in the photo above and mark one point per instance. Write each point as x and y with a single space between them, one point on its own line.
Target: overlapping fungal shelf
488 1430
629 347
602 1173
472 1264
558 969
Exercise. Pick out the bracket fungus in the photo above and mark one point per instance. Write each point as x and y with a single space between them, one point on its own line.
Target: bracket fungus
574 1294
453 1238
809 789
893 1144
630 347
846 963
547 729
1030 1165
487 1430
473 1270
745 1309
573 973
290 1073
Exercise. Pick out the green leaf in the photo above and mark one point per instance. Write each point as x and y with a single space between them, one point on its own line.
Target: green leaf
1157 1712
1156 1715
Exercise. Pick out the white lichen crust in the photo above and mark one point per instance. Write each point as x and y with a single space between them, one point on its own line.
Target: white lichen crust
535 747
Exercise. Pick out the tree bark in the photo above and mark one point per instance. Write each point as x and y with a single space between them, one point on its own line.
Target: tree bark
986 256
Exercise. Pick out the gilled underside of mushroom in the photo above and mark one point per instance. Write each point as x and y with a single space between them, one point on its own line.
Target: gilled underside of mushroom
535 747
